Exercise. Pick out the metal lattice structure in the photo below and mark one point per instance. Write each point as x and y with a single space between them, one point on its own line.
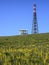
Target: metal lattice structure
34 24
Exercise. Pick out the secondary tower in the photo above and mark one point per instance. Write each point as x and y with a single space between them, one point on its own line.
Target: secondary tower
23 32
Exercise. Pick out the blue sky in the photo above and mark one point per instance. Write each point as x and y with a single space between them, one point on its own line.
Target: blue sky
18 14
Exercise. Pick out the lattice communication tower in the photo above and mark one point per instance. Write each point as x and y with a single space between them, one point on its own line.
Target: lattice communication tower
34 24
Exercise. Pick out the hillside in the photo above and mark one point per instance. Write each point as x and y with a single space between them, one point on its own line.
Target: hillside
25 40
30 49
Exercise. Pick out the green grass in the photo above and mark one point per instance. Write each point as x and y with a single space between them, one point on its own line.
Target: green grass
30 49
25 40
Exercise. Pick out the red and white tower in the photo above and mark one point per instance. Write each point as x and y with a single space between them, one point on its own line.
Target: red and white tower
34 24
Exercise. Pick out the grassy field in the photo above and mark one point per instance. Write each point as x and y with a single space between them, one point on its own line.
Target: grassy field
30 49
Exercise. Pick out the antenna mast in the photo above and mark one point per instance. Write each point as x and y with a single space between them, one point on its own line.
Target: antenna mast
34 24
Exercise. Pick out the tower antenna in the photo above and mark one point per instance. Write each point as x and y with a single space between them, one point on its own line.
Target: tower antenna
34 24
